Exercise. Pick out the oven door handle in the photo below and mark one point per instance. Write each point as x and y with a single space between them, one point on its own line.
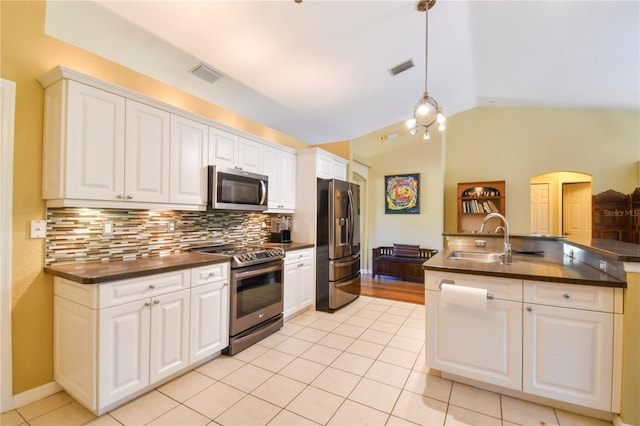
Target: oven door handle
255 272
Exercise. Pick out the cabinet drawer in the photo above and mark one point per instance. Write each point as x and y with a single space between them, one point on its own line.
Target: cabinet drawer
298 256
209 274
118 292
569 295
501 288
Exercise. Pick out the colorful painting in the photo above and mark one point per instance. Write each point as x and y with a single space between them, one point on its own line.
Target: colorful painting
402 193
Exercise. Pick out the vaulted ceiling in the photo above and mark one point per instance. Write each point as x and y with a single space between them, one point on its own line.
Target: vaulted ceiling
319 70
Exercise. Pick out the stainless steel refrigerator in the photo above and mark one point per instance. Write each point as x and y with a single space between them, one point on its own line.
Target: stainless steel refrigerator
337 244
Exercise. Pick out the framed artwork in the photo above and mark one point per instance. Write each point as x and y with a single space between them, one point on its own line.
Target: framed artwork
402 194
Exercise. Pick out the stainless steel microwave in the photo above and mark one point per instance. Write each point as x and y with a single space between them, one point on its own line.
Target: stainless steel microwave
234 189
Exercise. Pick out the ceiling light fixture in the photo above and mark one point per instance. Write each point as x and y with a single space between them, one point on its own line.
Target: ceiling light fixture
427 111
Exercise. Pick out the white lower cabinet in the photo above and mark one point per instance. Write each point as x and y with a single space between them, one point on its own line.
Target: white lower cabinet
114 340
558 341
299 281
209 311
568 352
482 344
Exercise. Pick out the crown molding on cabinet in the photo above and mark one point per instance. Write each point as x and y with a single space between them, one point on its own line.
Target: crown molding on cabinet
62 72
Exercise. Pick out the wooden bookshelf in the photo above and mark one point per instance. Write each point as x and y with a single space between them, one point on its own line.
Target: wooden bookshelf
478 199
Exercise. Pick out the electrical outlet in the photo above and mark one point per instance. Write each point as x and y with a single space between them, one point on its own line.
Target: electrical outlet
107 228
603 266
38 229
171 226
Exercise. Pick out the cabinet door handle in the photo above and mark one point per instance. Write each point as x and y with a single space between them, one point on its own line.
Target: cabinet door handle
529 309
147 304
566 296
119 196
152 286
155 302
129 197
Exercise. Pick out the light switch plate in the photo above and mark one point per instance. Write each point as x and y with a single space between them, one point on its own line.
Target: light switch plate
38 229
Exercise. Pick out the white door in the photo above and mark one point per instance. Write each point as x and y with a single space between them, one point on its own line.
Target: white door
169 344
576 211
7 114
123 350
482 344
567 355
147 153
223 148
209 320
188 177
540 209
95 139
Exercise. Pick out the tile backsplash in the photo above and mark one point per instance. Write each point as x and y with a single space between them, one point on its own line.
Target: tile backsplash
76 234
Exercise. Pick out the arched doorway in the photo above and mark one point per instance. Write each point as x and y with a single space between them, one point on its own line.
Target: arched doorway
561 205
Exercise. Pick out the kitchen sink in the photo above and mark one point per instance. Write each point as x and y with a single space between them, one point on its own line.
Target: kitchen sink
476 256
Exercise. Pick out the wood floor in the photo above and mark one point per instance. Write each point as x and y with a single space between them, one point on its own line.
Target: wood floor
392 288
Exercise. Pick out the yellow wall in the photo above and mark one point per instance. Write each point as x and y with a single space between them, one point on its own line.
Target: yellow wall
403 155
341 149
516 144
631 354
26 54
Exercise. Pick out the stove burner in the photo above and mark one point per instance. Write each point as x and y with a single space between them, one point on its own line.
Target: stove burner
245 255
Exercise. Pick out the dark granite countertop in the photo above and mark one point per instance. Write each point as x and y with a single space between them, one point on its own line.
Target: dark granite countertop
101 272
625 252
528 267
290 246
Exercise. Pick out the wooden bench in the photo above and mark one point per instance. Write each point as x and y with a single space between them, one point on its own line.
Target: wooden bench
405 262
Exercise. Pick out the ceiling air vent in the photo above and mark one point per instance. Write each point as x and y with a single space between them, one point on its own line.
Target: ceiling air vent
205 73
401 67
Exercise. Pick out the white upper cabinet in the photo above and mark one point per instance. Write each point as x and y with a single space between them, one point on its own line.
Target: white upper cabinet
107 146
249 155
280 166
147 153
223 148
83 143
189 144
331 167
229 150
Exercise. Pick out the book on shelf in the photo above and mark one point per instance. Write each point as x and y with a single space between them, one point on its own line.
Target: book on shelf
474 206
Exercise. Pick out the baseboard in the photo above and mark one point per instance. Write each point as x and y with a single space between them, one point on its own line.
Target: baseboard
35 394
617 421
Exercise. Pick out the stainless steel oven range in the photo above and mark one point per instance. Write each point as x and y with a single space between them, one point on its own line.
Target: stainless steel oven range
256 293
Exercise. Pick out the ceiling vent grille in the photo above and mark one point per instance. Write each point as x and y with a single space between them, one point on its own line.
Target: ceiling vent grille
206 73
401 67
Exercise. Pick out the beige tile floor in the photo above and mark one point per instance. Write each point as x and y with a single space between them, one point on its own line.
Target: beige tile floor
361 366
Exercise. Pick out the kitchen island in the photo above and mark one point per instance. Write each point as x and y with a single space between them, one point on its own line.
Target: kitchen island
547 327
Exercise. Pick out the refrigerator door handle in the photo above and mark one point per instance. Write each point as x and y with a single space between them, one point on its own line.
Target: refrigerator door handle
352 215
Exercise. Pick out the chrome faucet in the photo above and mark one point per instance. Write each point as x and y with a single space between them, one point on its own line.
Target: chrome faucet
507 255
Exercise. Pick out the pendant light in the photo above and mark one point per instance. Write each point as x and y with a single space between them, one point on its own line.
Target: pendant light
427 111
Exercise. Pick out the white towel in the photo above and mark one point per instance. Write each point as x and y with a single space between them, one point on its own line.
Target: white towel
465 296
